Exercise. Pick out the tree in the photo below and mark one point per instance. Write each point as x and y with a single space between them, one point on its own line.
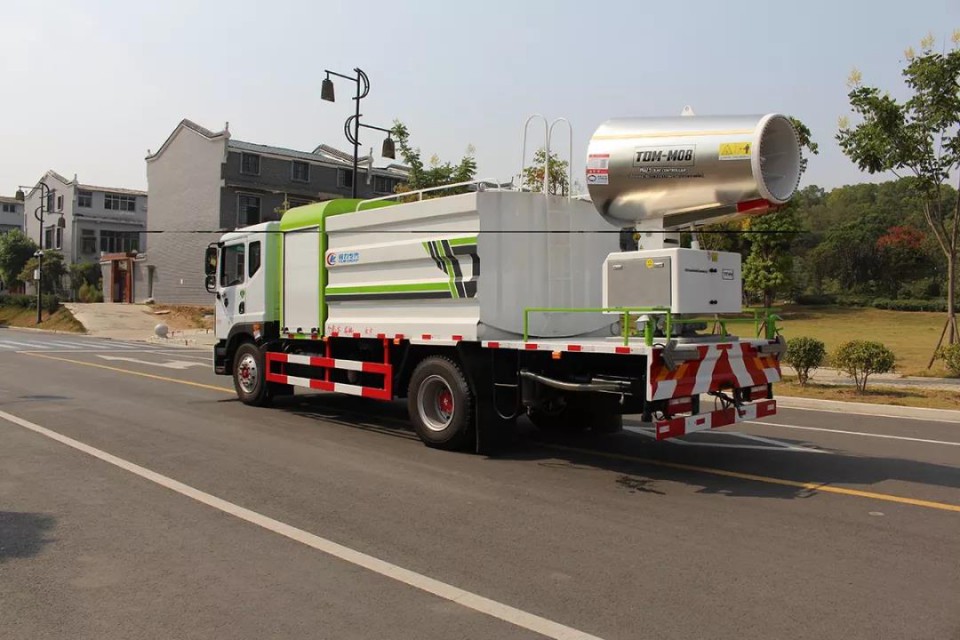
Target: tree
53 271
84 273
559 180
860 359
769 263
920 136
16 249
434 173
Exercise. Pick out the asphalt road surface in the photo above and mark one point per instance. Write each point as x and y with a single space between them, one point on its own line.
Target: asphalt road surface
139 499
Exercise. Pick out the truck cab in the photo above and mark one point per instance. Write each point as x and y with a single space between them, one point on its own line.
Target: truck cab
242 272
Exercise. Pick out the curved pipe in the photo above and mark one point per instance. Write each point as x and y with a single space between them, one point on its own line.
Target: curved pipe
546 164
608 386
523 144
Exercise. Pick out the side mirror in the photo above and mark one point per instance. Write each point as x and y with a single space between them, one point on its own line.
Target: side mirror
211 282
210 261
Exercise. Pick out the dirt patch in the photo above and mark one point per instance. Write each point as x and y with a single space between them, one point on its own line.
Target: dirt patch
182 317
61 320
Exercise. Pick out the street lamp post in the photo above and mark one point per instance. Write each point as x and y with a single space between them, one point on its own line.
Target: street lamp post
363 88
45 193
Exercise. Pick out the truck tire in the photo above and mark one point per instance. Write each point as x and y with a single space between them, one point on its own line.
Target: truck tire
440 404
249 376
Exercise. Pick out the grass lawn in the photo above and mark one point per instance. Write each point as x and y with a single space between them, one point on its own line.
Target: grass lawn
62 320
912 336
928 398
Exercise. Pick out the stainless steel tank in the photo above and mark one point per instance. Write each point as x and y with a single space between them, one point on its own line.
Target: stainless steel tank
691 169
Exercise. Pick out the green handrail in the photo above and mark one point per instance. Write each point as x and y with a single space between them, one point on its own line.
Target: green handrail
764 320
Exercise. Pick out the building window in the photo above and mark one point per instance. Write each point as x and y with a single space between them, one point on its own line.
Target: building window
48 238
232 265
88 241
250 164
248 210
119 241
117 202
85 199
59 203
382 185
254 261
296 202
345 178
9 208
50 202
301 171
58 243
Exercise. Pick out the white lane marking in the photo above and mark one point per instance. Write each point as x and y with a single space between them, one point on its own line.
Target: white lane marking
770 443
850 412
492 608
856 433
29 345
172 364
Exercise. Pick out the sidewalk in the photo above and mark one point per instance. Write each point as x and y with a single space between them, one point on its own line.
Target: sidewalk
833 377
135 322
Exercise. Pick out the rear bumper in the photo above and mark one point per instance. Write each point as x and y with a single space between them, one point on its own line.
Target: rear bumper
676 427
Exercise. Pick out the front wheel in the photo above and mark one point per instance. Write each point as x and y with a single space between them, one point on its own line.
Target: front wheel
249 376
440 404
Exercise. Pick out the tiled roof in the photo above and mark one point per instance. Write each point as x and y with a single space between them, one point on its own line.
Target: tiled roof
118 190
9 200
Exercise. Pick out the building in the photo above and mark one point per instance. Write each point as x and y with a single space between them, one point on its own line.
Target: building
202 183
11 214
100 224
96 219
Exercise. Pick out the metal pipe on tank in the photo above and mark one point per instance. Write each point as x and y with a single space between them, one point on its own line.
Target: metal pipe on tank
546 165
523 143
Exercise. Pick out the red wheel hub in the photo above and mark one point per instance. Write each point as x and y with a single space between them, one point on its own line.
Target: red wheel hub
445 401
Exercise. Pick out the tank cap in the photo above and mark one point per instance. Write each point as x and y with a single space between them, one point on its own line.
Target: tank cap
687 111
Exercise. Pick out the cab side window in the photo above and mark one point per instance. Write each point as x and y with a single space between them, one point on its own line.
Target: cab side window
233 264
254 260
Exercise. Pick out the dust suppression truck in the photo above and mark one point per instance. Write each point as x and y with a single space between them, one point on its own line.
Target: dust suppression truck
495 303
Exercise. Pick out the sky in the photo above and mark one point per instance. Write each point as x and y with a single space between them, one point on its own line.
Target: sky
88 87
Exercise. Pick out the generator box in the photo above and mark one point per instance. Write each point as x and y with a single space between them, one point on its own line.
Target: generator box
687 281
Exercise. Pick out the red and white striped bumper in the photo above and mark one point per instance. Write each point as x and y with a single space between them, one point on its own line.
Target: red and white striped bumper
676 427
321 384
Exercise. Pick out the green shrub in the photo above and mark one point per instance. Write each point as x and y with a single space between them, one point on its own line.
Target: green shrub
50 303
805 355
862 358
906 304
816 299
90 293
951 357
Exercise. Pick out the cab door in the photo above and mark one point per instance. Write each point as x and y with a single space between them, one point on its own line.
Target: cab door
231 291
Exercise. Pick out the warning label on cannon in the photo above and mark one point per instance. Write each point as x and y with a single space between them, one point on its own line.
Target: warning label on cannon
735 151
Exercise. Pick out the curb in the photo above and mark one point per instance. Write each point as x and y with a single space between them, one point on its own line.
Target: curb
867 409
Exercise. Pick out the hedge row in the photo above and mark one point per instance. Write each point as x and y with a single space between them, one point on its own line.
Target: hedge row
903 304
49 302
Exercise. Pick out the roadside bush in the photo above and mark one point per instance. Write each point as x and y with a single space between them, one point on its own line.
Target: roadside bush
951 357
816 299
903 304
18 300
49 303
90 293
805 355
860 359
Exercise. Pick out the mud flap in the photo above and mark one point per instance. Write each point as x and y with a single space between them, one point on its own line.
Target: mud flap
492 430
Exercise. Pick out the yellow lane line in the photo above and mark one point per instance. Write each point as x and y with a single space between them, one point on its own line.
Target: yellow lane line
131 372
810 486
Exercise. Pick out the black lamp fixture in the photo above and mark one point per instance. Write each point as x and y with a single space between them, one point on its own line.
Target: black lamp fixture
351 128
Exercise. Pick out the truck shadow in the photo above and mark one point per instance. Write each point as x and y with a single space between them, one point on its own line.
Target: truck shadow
23 535
643 465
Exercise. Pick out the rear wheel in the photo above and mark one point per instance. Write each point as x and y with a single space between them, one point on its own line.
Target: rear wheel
440 404
249 376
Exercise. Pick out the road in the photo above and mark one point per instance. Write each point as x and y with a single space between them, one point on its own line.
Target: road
139 499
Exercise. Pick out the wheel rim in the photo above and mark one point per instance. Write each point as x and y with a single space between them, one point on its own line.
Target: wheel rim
247 373
435 403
